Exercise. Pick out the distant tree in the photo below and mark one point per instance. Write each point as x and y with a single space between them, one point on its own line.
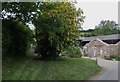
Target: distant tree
106 27
86 33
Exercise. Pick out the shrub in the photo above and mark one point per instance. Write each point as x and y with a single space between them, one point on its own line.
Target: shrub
116 57
112 57
16 38
72 52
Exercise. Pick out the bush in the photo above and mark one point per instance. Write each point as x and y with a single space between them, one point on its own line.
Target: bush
72 52
112 57
115 57
16 38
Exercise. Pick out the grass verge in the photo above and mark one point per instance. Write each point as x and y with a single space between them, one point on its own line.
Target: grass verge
62 69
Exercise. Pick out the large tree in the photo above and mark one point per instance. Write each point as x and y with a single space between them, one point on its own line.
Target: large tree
56 23
20 11
16 36
57 27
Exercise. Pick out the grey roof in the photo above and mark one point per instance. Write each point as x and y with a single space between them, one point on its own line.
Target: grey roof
105 37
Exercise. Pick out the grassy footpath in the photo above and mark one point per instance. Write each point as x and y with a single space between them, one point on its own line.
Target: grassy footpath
62 69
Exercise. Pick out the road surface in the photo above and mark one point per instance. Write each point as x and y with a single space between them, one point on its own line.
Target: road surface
110 70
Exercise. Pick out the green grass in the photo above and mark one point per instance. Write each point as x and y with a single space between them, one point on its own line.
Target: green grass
62 69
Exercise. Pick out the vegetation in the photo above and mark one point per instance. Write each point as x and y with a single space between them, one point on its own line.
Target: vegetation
16 38
25 12
113 57
56 28
61 69
56 24
86 33
106 27
72 52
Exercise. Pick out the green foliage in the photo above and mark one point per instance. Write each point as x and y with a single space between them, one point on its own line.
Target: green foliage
106 28
56 27
16 38
116 57
56 23
113 57
72 52
24 12
6 40
86 33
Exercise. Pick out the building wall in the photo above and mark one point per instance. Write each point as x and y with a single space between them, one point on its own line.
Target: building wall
104 50
113 49
96 51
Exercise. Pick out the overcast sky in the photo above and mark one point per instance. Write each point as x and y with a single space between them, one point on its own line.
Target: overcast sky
97 11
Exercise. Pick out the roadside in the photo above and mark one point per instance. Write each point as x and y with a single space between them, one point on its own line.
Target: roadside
109 72
61 69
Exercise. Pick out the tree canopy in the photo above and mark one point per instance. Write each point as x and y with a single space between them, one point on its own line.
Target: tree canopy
56 23
57 27
106 27
21 11
16 38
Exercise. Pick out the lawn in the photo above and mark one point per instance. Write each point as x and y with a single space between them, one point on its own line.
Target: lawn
61 69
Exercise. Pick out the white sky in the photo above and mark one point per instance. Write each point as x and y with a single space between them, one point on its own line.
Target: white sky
95 11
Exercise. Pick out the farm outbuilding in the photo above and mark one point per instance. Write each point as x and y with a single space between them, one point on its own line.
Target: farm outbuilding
97 47
109 39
